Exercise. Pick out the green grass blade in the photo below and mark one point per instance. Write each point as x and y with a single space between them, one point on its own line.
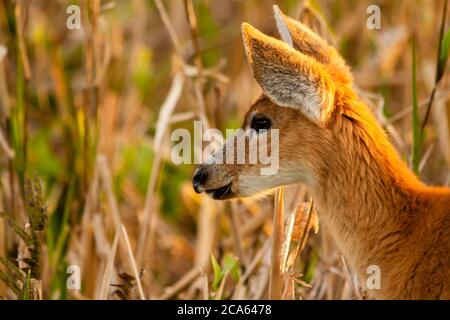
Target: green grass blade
217 273
443 56
10 282
443 47
25 292
417 132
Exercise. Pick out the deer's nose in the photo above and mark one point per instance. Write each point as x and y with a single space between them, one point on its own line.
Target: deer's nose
200 177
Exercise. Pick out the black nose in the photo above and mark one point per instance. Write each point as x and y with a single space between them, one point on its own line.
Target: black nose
200 177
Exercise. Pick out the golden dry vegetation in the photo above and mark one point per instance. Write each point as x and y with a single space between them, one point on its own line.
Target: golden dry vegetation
86 177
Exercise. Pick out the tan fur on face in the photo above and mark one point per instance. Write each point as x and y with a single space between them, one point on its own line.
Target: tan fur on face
295 166
246 178
376 209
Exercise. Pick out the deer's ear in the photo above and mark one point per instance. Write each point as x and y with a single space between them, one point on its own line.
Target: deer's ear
288 77
308 42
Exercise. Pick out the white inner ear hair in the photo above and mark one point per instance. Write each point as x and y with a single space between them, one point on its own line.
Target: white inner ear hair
293 91
281 26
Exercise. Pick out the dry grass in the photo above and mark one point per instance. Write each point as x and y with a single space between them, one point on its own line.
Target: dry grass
90 113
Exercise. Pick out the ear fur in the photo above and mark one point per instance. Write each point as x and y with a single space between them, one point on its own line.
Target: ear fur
288 77
306 41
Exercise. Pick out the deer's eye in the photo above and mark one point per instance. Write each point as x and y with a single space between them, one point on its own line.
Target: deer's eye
260 122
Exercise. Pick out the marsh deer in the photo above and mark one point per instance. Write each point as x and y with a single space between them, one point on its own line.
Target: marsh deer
376 209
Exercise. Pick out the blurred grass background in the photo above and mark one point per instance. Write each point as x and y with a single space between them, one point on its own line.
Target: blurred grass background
85 120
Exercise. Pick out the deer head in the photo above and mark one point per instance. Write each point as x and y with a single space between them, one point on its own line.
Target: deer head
305 83
376 209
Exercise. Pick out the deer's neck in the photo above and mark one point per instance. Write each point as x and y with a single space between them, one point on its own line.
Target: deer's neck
364 194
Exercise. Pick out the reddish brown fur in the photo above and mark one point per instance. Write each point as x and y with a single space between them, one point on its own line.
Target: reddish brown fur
376 209
380 213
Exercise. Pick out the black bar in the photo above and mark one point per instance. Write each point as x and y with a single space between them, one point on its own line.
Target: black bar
264 309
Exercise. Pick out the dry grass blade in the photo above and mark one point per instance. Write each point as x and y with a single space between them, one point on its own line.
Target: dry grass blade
289 290
288 239
167 109
5 146
444 96
103 68
163 120
425 157
105 174
192 20
4 95
103 293
219 293
385 122
252 225
35 289
276 277
20 18
206 229
166 20
190 14
350 280
305 226
205 286
188 278
213 72
236 233
180 117
255 261
133 262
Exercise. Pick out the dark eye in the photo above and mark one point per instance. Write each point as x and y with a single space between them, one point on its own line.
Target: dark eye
260 122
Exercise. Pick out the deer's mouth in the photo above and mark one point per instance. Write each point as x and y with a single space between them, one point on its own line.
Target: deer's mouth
221 193
201 178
